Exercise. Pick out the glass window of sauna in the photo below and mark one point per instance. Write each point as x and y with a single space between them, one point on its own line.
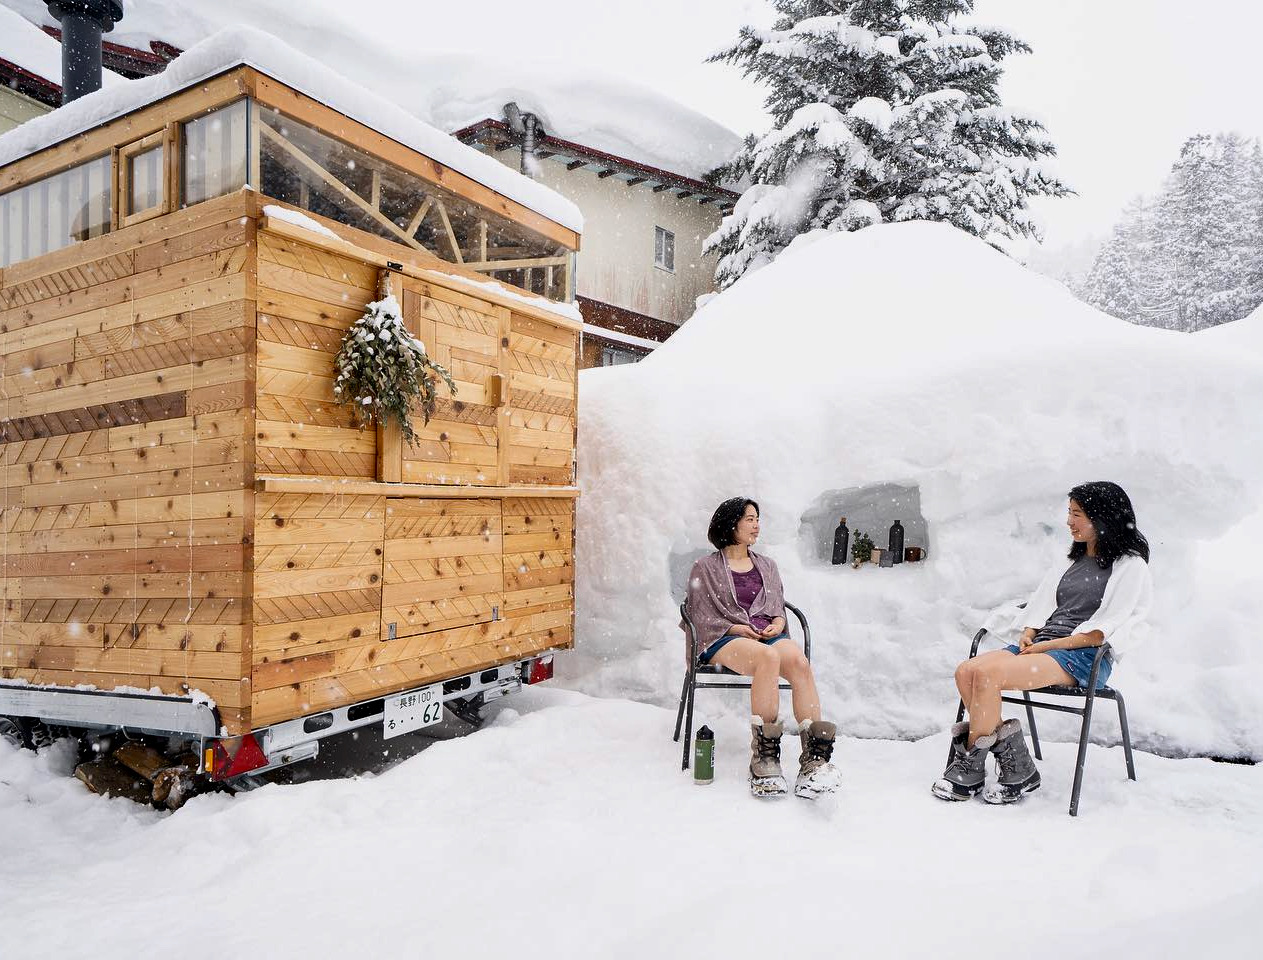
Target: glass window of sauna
141 180
216 149
313 171
55 212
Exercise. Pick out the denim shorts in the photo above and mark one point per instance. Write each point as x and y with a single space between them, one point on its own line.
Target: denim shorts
722 642
1078 663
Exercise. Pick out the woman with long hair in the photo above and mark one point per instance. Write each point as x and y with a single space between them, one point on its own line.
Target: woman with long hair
737 606
1102 594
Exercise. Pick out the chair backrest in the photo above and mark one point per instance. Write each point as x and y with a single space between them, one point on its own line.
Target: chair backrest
679 565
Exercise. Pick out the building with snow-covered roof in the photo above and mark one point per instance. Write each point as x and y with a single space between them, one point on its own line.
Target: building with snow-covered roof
634 160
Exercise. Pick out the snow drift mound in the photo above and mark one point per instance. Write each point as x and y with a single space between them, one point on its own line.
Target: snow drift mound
915 356
1243 334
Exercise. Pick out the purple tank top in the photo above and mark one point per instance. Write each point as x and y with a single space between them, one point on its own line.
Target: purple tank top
747 586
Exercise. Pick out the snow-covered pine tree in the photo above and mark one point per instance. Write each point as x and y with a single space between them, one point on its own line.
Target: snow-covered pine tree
1196 213
1110 285
1254 225
881 110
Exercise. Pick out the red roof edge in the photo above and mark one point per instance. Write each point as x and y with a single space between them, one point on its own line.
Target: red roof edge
578 149
31 84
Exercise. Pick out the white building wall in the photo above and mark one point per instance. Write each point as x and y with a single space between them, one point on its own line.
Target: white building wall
615 264
16 108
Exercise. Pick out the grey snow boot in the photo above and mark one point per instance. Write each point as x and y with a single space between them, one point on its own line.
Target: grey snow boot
1017 773
967 770
816 775
766 779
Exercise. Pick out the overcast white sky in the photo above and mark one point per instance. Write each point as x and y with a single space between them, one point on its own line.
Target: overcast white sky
1120 84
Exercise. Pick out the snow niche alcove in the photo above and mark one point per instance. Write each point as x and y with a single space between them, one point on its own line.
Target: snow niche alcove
871 510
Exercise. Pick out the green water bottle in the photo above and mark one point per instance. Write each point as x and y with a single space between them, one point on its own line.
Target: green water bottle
704 756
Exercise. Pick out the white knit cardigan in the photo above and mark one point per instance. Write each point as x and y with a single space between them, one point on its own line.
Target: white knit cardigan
1122 615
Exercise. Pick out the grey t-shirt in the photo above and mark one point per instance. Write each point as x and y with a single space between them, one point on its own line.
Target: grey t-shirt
1079 596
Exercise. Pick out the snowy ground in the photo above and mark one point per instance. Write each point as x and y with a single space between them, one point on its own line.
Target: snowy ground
566 829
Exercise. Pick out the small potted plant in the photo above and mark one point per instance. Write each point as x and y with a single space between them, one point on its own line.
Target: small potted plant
861 549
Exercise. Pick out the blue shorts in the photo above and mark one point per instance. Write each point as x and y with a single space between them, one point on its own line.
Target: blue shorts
1078 663
722 642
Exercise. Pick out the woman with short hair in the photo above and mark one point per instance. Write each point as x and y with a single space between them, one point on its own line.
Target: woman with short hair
737 606
1101 595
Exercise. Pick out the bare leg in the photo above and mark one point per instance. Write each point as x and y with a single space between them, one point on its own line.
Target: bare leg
796 668
967 672
760 662
1007 671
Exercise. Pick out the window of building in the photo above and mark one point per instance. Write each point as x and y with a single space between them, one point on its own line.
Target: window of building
664 249
142 179
614 356
55 212
216 153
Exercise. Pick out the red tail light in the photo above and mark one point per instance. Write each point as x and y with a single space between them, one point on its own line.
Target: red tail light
537 670
226 759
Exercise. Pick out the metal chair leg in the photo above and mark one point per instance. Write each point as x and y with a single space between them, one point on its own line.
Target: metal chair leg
960 715
679 714
688 723
1122 723
1030 721
1083 753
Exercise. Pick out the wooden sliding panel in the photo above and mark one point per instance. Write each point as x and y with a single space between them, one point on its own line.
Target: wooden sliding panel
462 443
308 298
317 596
126 455
543 384
443 565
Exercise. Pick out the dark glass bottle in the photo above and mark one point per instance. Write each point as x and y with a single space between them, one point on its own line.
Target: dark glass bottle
896 542
840 538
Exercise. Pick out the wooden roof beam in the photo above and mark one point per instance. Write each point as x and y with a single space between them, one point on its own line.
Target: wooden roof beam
605 173
685 194
658 188
576 164
635 180
702 201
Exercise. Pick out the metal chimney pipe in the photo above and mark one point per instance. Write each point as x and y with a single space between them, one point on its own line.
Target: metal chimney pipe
82 23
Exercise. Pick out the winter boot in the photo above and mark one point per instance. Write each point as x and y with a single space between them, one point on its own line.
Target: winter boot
766 779
1017 773
816 775
967 769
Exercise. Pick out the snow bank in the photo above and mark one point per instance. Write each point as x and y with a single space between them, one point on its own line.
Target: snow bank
913 354
1244 334
413 64
575 810
245 45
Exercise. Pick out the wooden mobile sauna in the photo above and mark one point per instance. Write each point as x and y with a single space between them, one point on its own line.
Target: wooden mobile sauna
186 510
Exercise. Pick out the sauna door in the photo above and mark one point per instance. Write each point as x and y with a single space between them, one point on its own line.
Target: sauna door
443 565
467 436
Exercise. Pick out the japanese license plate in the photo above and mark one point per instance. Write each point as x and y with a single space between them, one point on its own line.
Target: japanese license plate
406 712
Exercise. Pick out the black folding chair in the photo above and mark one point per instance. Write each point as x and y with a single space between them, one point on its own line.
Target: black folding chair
1089 694
695 669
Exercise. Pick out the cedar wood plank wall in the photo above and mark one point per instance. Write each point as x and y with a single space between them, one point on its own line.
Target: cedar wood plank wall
127 380
332 572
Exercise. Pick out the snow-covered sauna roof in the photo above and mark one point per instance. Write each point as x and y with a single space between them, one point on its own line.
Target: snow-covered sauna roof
454 90
245 46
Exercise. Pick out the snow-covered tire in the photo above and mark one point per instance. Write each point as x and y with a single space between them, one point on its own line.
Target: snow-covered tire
11 732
